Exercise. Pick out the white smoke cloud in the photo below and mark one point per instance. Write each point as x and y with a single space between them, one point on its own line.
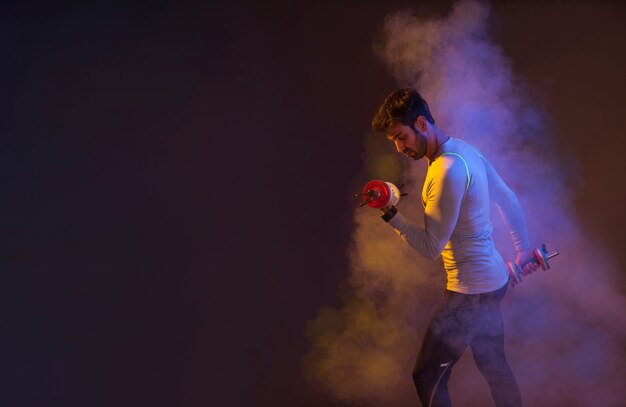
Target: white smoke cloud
565 327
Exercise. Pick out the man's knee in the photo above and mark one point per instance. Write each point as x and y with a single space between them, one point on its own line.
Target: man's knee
432 383
426 378
423 381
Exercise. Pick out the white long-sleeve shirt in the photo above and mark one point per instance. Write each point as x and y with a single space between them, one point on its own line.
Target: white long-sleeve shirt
459 186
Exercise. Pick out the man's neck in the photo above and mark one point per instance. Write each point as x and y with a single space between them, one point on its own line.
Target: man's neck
438 138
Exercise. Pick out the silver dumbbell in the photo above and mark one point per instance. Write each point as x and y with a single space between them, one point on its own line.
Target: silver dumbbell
542 258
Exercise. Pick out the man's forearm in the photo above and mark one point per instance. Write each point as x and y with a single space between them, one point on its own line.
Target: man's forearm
418 238
513 216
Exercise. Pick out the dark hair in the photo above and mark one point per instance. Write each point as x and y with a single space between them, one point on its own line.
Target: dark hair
404 106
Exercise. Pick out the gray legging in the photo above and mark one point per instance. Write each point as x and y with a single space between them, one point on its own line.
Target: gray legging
460 320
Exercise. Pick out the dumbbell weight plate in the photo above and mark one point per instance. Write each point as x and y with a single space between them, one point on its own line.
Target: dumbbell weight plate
540 254
514 272
382 188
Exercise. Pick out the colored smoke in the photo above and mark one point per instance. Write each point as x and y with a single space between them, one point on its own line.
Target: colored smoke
565 328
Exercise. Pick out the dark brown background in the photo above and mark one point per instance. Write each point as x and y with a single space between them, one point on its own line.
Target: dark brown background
176 183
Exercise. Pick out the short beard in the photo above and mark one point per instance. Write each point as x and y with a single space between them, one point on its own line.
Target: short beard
409 152
422 142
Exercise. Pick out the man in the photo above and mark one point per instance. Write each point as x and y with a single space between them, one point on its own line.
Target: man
459 186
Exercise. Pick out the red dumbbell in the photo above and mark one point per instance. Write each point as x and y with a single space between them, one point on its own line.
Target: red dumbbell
378 194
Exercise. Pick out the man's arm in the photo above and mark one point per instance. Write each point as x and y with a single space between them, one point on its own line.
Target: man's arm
441 212
513 216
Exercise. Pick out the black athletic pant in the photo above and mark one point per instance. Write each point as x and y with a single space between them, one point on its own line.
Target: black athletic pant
460 320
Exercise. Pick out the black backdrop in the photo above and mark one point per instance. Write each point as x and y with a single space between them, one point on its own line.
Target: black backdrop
176 182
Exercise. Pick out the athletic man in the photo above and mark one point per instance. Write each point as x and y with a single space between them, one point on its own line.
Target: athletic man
459 186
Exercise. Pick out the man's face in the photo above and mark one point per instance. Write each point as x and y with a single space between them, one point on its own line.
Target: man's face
408 140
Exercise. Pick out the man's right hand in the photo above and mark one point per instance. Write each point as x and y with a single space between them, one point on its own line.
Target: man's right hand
527 262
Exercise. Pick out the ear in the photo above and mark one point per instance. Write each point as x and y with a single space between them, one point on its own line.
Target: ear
420 124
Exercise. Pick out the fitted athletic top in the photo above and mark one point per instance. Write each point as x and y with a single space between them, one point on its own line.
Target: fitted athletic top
459 186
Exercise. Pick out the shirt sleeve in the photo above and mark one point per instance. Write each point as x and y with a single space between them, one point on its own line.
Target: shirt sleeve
510 208
443 201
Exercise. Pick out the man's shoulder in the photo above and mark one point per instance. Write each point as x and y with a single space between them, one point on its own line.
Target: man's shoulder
449 164
461 146
466 151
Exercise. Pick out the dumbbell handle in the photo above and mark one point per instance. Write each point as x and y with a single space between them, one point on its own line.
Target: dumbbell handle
552 254
372 194
548 256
